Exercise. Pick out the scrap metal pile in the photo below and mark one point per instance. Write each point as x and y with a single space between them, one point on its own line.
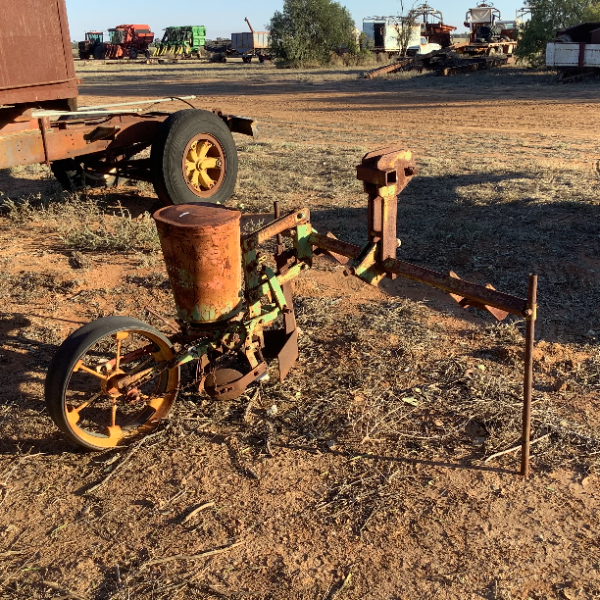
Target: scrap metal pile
447 61
117 377
492 42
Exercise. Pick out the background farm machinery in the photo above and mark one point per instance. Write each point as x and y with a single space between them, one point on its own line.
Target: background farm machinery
489 34
127 41
93 40
117 377
251 44
124 41
185 41
492 43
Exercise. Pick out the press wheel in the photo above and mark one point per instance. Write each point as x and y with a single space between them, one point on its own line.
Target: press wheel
85 392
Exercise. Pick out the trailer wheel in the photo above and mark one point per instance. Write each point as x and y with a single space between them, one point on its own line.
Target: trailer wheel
69 173
193 159
72 175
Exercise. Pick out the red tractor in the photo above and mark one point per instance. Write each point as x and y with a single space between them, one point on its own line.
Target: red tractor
127 40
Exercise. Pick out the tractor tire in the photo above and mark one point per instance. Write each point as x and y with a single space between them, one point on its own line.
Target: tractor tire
99 52
133 53
193 159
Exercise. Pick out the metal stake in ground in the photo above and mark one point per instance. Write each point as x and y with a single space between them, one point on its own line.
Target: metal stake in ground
531 315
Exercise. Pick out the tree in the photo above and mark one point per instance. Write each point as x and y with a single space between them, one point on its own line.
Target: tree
548 17
405 26
308 31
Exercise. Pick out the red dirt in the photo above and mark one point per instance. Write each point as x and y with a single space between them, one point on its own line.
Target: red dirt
447 527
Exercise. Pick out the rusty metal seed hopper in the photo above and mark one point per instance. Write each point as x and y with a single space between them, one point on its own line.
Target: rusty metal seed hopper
231 328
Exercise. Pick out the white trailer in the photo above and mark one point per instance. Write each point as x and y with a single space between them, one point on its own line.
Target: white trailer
565 55
576 51
383 31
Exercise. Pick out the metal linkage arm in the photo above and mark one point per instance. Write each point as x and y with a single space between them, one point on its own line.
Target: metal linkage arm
477 294
255 239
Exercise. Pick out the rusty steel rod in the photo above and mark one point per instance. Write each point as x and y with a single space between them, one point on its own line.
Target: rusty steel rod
528 378
277 215
330 244
466 289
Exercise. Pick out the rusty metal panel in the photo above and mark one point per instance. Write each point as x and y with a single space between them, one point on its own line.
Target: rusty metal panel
36 61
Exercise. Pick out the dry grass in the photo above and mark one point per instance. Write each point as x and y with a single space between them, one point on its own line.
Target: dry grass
193 71
85 224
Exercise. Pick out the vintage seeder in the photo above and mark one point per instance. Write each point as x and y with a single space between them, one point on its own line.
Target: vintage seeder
117 377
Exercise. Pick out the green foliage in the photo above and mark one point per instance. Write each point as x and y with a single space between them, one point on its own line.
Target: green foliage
307 32
548 17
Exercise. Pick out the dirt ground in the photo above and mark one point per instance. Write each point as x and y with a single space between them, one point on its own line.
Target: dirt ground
369 473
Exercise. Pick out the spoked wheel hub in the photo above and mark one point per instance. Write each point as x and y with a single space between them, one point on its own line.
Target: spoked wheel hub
111 380
203 164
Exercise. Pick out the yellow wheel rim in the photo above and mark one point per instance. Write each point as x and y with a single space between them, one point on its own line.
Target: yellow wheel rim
144 419
203 165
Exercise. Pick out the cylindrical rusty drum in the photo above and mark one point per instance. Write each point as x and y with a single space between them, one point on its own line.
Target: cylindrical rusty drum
201 247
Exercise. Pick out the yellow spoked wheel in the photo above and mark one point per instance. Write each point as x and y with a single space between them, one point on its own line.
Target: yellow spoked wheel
109 381
193 159
203 164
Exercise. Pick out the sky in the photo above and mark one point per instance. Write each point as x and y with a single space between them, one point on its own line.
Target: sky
223 18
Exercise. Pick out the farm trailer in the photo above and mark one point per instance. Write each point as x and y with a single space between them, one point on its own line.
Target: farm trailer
251 43
193 156
575 53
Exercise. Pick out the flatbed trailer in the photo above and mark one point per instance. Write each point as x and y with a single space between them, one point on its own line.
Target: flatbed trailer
490 48
193 156
575 53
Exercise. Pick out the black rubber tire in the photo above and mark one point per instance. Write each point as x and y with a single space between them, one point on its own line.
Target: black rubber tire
67 355
133 53
72 176
69 173
166 156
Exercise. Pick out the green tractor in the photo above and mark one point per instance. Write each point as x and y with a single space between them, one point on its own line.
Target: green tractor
185 41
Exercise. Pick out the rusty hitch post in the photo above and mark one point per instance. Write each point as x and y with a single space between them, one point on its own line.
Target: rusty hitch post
528 378
384 174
